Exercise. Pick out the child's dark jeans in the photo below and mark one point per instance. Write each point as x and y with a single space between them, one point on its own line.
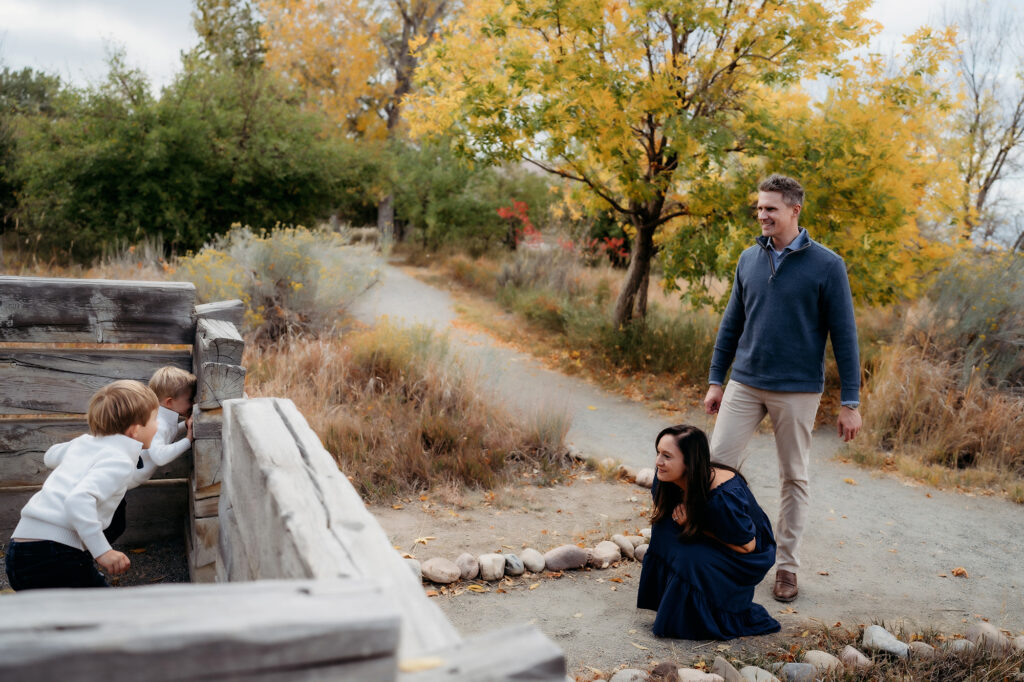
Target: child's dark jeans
44 563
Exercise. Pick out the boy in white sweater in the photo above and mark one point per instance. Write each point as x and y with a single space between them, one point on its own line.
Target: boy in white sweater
61 527
175 390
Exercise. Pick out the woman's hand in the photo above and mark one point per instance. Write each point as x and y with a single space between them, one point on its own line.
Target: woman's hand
679 514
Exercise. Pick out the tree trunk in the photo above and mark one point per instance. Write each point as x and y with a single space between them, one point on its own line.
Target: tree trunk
632 299
386 221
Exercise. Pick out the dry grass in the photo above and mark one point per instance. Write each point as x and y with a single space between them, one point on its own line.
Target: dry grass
919 420
401 416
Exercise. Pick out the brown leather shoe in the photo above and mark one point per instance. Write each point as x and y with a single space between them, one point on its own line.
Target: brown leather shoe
785 586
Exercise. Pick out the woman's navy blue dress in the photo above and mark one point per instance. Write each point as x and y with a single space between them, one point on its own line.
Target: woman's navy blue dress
700 588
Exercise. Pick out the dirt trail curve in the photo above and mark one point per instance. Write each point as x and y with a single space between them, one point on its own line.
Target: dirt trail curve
875 548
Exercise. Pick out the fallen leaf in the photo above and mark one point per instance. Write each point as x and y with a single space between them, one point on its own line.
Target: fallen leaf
138 550
805 633
397 506
850 481
822 572
788 609
424 540
431 593
415 665
423 498
640 646
943 575
500 591
591 407
960 572
477 588
722 647
927 494
616 580
577 615
534 586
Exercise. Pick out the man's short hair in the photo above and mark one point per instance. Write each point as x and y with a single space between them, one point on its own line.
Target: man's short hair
792 191
171 382
118 405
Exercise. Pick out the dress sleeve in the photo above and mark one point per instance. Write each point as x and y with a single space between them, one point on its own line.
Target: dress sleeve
728 517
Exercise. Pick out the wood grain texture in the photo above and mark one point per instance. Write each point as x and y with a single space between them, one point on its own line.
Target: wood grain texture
45 381
520 652
24 442
232 311
218 382
252 631
287 492
207 424
217 341
52 310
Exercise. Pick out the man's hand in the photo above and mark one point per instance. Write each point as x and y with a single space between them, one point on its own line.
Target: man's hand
679 514
713 400
849 423
113 562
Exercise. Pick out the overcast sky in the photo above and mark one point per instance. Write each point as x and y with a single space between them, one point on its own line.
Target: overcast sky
70 37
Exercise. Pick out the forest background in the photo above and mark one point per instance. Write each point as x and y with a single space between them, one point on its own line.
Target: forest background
588 164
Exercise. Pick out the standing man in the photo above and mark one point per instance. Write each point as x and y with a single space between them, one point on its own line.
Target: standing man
789 295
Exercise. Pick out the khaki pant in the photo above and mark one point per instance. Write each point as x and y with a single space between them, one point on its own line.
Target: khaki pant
742 409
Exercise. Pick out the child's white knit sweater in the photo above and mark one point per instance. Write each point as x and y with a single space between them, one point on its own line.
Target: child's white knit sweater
165 448
78 499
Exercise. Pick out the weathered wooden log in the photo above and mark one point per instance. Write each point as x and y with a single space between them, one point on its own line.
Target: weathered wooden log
207 454
287 493
232 311
515 653
202 544
206 424
23 442
54 310
59 381
217 341
218 382
205 501
260 631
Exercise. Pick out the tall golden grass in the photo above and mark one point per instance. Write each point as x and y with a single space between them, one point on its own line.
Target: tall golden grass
400 414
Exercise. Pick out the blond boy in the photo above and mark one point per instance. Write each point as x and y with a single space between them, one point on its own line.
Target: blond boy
61 527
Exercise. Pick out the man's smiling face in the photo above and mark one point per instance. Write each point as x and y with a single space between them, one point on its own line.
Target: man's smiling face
777 220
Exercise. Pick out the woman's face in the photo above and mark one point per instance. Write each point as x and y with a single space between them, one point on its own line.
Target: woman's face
669 462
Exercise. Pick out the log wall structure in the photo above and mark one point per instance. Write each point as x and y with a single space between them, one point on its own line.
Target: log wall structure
308 587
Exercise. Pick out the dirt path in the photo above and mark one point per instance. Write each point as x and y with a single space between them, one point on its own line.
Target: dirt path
876 548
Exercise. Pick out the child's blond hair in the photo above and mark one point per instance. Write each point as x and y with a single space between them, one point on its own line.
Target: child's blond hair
171 382
120 404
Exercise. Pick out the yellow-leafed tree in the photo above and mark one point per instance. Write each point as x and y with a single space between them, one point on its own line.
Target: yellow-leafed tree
640 102
352 58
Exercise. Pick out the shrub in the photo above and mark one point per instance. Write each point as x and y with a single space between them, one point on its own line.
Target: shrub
291 279
400 414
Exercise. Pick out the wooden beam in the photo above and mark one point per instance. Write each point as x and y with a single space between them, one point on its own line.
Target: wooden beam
259 631
232 311
48 381
218 382
54 310
289 498
206 424
515 653
217 341
23 442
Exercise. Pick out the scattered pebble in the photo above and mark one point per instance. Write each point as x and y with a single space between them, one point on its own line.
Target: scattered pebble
624 544
532 560
640 552
725 670
565 557
492 566
694 675
468 565
877 638
629 675
989 638
605 554
854 658
823 661
921 651
961 646
441 571
645 478
514 565
752 673
799 672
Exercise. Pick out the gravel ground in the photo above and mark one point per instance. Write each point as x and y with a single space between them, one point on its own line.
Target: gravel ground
876 548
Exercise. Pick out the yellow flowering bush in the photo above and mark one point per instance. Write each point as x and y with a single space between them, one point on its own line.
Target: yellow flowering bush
291 279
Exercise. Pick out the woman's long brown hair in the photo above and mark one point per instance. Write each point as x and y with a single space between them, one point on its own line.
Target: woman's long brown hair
693 443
